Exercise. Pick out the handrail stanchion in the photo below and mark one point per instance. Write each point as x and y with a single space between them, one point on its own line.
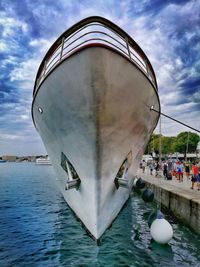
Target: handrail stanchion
147 68
149 73
62 46
38 81
128 47
45 64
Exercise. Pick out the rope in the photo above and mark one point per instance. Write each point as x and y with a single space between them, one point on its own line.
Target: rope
152 108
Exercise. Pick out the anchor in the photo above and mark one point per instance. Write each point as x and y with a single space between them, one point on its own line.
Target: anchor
73 180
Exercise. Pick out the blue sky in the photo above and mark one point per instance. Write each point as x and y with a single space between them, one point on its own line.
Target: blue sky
168 31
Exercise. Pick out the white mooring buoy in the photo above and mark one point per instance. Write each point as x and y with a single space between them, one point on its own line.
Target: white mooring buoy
161 231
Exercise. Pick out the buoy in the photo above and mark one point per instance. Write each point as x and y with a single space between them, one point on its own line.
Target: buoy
148 195
140 184
161 231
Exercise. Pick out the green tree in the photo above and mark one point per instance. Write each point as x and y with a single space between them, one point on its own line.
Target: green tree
171 144
181 142
153 145
168 144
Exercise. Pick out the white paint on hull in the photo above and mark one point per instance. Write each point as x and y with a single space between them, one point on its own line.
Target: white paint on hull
96 109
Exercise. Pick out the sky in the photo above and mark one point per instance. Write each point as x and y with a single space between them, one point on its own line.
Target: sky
167 31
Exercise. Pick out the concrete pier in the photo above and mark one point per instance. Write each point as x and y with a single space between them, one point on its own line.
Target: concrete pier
177 196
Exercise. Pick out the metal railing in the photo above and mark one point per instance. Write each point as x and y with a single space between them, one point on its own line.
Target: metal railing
96 31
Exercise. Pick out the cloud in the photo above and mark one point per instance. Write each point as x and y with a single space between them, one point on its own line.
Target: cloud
8 137
170 41
25 72
168 32
3 47
9 25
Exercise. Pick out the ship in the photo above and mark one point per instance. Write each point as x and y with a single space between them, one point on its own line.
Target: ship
43 161
92 105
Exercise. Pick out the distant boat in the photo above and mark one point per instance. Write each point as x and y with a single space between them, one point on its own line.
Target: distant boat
91 105
2 161
43 161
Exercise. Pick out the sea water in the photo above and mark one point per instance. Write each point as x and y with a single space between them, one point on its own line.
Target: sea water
37 228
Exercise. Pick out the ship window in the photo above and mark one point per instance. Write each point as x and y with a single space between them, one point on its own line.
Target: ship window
68 167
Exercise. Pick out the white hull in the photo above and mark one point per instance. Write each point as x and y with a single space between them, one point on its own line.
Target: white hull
96 109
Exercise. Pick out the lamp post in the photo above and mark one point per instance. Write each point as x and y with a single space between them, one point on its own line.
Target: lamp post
187 146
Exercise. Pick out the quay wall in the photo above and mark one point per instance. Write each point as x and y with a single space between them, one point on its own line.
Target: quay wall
184 206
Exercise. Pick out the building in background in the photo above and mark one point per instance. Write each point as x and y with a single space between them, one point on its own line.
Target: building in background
9 158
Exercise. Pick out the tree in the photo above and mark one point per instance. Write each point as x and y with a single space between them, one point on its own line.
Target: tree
183 138
153 145
168 143
171 144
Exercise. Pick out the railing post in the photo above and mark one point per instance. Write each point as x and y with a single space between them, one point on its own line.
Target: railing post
149 73
37 83
45 64
128 47
62 46
147 68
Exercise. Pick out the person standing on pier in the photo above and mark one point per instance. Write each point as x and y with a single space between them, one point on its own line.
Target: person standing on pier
143 166
187 170
198 184
195 176
157 167
151 168
174 169
170 166
169 170
180 171
165 167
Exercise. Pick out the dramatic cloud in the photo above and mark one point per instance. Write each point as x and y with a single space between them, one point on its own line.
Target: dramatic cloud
168 32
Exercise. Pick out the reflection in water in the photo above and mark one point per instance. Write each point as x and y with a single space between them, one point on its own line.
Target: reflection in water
37 228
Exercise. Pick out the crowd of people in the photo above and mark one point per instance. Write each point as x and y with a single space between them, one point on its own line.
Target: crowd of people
174 168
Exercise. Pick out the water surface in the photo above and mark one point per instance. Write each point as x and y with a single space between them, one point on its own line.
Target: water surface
38 229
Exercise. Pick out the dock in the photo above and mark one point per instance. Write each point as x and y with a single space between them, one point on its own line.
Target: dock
176 196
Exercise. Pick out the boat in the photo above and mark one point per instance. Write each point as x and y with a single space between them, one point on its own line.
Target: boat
92 106
2 161
43 161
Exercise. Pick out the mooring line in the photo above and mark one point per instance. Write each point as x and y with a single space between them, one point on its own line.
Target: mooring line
152 108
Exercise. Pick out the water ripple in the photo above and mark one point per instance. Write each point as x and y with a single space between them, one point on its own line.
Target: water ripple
38 229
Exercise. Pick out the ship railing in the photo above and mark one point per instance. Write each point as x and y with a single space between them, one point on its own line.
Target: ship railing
94 31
